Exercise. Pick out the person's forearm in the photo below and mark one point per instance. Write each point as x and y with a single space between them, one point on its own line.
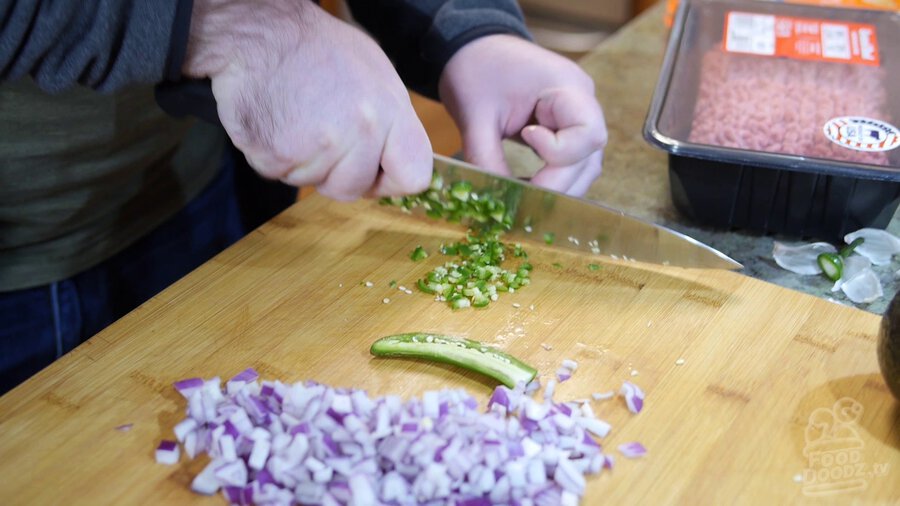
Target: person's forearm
231 32
103 44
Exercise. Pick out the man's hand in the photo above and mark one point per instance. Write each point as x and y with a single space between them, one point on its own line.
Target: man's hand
309 99
501 86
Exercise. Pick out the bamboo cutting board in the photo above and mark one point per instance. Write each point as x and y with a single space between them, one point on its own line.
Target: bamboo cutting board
741 420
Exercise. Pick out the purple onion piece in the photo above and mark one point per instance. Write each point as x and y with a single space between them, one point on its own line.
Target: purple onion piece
634 396
246 376
474 501
167 445
632 450
187 386
500 397
564 409
234 494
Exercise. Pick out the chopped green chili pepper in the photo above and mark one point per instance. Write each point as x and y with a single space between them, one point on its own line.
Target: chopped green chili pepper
831 264
557 265
549 237
465 353
594 267
393 284
418 254
479 257
848 249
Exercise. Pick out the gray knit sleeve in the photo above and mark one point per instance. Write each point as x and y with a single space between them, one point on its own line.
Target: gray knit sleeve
420 36
102 44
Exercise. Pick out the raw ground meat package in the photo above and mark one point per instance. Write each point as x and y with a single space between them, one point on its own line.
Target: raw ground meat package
781 118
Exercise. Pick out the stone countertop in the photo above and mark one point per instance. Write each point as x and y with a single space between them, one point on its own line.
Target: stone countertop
635 177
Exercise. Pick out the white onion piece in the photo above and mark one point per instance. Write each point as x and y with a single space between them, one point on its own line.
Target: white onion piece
602 396
879 246
853 265
570 364
206 482
863 288
801 259
549 389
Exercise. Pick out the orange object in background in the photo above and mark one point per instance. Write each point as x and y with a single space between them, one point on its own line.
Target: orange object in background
881 5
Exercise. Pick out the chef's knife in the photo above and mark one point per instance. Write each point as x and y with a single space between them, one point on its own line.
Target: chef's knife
576 223
584 225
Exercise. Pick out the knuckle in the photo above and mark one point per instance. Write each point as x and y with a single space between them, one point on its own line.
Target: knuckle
368 119
599 138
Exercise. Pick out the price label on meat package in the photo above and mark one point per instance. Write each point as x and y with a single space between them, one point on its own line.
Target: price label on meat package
801 38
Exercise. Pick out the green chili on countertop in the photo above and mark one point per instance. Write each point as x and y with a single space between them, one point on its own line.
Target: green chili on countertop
465 353
832 264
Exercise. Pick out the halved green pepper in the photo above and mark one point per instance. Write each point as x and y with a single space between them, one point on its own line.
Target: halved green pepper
466 353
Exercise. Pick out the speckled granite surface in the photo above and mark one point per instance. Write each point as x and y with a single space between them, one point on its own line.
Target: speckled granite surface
635 179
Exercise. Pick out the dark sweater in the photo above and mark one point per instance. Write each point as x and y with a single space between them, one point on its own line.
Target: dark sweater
84 174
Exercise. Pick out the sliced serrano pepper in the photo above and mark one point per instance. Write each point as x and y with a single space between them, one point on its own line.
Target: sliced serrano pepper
465 353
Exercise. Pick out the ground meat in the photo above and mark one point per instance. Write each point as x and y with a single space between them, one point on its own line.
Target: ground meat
781 105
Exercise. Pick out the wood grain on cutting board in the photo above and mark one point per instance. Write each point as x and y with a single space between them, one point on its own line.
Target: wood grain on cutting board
729 425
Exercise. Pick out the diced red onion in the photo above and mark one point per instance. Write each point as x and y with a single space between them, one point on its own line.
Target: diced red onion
594 426
168 452
570 364
602 396
234 495
632 450
232 473
188 386
191 444
259 454
206 482
125 427
549 390
184 428
563 374
634 396
568 499
246 376
568 477
272 443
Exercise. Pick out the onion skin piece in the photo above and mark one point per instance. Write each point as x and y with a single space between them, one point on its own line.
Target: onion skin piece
800 259
466 353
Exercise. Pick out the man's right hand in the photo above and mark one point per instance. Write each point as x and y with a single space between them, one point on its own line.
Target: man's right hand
309 99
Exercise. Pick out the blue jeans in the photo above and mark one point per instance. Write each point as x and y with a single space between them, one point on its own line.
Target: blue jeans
39 325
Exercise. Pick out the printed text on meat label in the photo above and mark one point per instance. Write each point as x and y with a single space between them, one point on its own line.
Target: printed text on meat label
801 38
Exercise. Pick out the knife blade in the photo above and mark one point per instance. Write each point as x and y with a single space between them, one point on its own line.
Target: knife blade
584 225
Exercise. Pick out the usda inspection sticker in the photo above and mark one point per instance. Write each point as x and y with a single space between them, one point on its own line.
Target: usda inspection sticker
862 134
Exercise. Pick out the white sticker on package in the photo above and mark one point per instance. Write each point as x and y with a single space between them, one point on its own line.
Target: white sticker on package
862 134
750 33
